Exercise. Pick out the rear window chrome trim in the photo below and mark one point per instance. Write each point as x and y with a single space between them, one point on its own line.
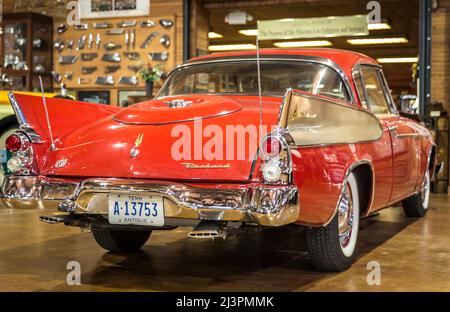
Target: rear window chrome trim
304 59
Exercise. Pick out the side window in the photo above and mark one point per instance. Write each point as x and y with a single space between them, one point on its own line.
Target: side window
375 97
359 88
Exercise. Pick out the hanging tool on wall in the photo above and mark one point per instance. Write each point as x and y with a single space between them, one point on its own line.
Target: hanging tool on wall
90 40
98 40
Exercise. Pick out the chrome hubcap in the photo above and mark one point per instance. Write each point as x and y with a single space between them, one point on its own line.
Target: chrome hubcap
345 217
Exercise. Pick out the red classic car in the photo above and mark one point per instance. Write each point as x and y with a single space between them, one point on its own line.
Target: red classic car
322 147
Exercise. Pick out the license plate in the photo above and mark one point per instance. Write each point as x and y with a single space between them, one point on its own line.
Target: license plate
136 210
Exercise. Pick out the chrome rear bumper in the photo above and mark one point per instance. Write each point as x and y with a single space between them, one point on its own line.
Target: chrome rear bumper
262 204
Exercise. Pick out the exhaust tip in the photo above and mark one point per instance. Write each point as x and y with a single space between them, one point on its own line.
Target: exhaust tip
52 219
207 229
205 234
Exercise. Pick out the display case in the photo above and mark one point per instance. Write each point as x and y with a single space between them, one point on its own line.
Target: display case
26 51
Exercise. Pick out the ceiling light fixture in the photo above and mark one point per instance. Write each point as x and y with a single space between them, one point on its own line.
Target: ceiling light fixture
231 47
378 26
249 32
238 18
302 44
214 35
364 41
392 60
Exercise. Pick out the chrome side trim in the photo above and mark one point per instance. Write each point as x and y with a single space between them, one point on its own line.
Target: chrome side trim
349 171
410 135
300 58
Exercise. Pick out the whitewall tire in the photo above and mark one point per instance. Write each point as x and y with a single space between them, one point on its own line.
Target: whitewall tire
332 248
416 206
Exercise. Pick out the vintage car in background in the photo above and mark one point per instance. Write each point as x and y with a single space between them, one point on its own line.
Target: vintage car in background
337 150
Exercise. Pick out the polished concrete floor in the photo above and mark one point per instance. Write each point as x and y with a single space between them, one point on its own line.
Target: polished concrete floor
414 255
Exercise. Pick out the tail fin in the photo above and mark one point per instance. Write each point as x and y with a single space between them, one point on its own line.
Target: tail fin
65 115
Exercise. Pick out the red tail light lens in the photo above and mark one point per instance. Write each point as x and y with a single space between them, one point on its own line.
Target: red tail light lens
271 147
13 143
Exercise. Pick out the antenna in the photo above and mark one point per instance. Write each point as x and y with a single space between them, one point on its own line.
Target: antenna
52 147
258 64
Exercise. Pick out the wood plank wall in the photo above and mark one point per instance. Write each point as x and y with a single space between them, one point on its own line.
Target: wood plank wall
158 8
199 29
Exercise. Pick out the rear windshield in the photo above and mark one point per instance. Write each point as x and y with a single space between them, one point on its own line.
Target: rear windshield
240 77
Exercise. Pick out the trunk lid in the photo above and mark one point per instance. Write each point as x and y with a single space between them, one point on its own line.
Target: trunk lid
183 143
177 109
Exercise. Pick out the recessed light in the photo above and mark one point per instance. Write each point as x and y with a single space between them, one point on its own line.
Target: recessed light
397 60
378 26
249 32
300 44
214 35
231 47
364 41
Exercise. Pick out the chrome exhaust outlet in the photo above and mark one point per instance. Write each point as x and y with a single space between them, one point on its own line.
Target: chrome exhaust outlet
52 219
208 229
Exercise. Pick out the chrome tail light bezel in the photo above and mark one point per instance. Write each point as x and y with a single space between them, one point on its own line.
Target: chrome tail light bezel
25 156
281 160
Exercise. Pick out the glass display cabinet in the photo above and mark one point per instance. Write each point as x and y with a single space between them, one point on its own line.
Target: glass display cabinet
26 52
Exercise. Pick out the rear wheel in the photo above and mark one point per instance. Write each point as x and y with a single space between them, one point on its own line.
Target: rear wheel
121 240
332 247
416 206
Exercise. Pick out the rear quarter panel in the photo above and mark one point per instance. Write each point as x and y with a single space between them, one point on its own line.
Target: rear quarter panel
320 172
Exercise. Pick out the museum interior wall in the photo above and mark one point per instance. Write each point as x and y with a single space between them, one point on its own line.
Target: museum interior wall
84 72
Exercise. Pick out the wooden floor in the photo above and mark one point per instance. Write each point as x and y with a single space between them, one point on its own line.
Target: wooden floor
414 255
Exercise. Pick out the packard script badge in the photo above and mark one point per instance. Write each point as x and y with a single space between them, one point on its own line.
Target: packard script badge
206 166
134 152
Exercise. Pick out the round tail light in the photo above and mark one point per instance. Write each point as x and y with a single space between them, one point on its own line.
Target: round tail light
271 172
271 146
14 143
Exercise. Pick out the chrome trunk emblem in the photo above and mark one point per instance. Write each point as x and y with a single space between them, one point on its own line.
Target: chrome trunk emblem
134 152
61 163
178 103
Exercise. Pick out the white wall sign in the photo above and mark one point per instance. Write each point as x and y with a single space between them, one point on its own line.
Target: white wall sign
113 8
319 27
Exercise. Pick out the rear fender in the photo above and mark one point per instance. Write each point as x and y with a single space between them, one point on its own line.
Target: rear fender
64 115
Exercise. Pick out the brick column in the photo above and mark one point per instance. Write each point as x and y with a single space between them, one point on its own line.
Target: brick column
440 62
440 53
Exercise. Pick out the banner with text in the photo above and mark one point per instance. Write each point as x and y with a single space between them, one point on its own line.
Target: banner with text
318 27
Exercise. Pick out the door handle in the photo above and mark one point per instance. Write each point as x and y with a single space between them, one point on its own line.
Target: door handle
392 128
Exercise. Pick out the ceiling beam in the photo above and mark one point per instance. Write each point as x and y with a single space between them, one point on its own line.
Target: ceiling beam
240 4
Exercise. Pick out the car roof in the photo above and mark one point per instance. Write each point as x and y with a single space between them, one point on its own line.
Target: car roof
344 58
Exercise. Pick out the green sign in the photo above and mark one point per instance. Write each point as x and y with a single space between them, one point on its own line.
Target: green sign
318 27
